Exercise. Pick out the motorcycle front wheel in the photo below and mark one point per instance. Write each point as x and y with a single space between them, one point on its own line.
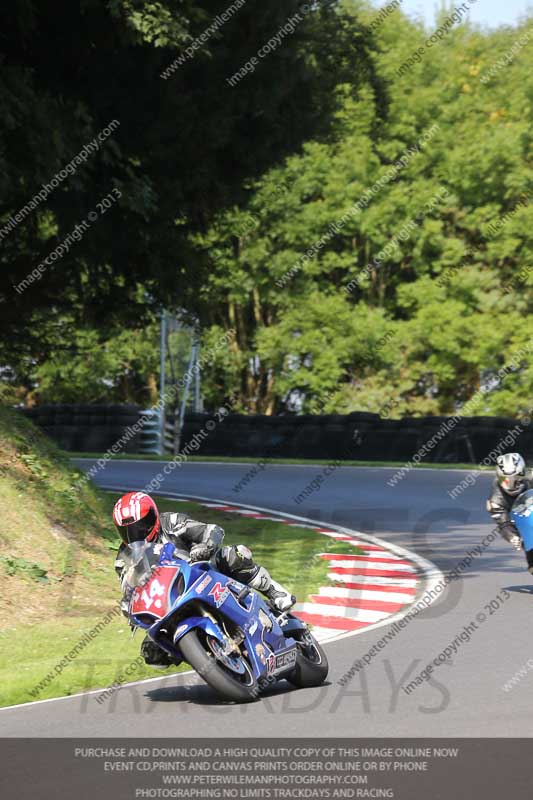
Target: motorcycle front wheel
229 675
311 662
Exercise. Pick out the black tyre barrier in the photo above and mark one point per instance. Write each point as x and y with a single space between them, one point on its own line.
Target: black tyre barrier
358 436
87 428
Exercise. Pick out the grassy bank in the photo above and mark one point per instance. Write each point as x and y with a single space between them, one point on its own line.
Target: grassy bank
56 569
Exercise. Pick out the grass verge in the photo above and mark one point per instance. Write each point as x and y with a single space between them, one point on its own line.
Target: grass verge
30 652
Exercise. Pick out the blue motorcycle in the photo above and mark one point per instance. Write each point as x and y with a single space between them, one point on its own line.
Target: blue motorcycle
230 636
522 516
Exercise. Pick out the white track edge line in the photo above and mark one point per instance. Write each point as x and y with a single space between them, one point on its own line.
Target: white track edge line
251 464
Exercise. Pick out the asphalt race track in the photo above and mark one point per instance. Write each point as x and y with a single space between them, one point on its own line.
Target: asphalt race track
464 697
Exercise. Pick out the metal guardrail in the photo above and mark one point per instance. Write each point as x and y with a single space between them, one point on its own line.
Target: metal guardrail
153 439
170 432
150 437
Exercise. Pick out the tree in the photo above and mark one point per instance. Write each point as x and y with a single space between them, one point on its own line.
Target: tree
185 143
369 240
438 253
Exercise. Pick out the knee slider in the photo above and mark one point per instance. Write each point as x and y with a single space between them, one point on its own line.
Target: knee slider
237 556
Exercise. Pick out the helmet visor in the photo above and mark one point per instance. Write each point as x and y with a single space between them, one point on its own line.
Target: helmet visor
138 531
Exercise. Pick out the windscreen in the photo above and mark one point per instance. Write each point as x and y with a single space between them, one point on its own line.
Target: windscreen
139 559
524 503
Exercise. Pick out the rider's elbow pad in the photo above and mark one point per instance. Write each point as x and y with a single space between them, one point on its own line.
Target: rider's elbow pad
216 535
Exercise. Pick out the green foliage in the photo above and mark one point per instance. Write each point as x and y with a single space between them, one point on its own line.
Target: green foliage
415 300
368 234
40 476
20 566
34 465
159 24
186 145
318 340
118 368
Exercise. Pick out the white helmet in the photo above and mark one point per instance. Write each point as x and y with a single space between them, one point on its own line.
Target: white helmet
511 471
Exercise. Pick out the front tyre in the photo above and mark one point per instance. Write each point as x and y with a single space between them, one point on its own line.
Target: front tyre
230 676
311 662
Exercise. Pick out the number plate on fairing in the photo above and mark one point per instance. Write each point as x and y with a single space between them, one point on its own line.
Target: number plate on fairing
153 597
281 662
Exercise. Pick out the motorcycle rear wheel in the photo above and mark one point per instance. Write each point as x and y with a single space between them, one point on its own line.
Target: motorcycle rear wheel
196 652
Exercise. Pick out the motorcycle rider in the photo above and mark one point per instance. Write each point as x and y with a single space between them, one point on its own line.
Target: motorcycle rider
510 481
137 518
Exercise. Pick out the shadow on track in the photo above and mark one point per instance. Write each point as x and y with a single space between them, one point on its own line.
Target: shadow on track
524 589
201 694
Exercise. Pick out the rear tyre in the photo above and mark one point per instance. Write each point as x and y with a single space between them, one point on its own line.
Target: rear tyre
311 662
196 650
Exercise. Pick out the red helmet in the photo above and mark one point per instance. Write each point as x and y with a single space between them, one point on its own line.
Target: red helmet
136 517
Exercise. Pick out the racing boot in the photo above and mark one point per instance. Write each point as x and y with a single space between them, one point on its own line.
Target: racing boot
510 534
279 597
513 539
